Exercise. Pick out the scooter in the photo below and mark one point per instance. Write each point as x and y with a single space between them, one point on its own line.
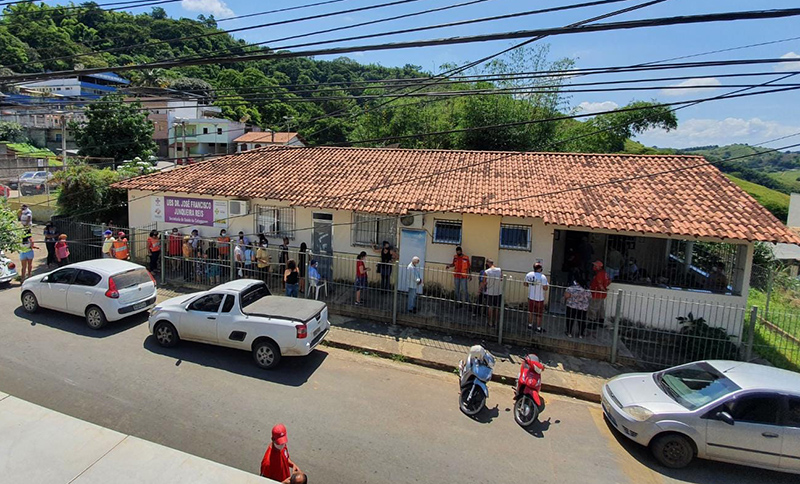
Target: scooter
474 373
528 404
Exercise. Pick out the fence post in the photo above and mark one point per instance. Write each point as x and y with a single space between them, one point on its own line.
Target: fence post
232 251
617 319
502 310
748 351
770 281
162 256
394 295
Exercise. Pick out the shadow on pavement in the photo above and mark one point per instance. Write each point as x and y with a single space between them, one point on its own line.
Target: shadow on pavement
538 428
76 324
701 471
486 415
292 371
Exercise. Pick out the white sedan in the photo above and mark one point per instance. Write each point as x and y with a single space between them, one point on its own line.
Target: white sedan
100 290
243 314
720 410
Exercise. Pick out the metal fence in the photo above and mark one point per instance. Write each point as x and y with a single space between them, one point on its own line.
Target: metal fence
650 331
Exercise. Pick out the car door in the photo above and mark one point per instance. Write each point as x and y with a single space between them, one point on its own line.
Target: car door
754 438
53 289
790 452
228 332
200 320
82 290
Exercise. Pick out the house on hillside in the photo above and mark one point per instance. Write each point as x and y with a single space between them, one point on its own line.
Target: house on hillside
669 228
255 140
789 254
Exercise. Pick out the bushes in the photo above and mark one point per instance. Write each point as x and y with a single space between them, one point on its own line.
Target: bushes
704 342
86 192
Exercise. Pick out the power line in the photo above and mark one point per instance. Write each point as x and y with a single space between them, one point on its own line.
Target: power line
227 32
600 27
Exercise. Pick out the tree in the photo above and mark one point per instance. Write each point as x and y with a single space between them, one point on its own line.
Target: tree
12 132
607 133
115 129
11 231
193 85
86 192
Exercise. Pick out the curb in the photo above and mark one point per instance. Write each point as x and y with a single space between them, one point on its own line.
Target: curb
435 365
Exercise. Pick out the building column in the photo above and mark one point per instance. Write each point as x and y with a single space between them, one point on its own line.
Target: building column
687 260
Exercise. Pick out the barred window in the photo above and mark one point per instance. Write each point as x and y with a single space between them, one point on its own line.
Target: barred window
275 221
517 237
370 229
447 232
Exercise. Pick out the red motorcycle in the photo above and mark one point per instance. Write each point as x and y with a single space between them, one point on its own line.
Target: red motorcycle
528 403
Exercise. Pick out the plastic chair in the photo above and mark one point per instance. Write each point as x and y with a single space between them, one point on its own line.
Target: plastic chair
316 284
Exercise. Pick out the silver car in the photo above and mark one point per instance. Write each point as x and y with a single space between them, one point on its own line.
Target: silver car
728 411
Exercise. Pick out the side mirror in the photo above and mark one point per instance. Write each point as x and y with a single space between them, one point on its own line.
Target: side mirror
725 417
46 279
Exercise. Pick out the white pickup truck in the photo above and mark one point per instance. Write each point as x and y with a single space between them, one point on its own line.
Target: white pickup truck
243 314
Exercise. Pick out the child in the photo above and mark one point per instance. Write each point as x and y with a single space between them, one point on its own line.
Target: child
62 250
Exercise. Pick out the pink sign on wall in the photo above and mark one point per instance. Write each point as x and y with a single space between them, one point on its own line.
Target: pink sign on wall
190 211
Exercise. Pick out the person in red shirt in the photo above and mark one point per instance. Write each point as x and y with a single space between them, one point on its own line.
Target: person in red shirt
461 275
276 464
599 289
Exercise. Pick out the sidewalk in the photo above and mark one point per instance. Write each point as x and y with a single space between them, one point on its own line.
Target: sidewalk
565 375
38 445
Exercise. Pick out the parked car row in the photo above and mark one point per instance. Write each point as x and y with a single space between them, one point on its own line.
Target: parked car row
241 314
31 182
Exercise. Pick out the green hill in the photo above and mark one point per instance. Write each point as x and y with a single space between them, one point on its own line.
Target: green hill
774 201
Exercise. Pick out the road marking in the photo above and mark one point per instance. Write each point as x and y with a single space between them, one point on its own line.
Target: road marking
636 472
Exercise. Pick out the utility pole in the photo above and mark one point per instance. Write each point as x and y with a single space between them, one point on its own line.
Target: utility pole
175 145
64 139
184 153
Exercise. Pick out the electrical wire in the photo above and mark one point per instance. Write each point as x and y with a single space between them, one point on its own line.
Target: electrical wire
598 27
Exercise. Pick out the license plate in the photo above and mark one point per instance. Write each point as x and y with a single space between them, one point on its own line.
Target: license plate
140 305
317 331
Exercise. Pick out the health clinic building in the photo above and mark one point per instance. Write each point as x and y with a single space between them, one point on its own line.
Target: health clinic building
672 218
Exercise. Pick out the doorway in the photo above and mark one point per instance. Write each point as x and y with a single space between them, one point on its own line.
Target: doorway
412 243
322 243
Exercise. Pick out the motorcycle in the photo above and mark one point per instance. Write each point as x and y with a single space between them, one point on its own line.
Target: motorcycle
474 373
528 404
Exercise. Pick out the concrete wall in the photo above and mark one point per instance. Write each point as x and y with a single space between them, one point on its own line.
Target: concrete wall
794 211
658 308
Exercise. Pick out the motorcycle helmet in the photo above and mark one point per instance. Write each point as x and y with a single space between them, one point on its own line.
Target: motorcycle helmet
533 362
478 352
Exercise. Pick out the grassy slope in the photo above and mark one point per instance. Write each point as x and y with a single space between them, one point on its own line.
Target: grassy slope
788 178
776 202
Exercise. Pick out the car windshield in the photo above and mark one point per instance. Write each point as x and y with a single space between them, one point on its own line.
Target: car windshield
132 278
695 385
28 174
253 294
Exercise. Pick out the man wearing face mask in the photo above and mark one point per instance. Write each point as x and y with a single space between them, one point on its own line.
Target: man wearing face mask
276 464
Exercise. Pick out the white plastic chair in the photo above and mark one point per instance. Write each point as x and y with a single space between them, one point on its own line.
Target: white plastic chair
316 285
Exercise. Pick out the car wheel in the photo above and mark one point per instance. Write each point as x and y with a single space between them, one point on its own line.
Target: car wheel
673 450
29 302
95 318
266 354
166 334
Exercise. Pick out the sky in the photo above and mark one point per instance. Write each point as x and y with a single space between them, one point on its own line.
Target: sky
751 120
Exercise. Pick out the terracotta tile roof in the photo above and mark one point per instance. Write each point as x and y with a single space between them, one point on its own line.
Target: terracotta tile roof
685 196
265 137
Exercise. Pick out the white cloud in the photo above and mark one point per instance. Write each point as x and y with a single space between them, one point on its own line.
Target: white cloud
688 84
701 132
789 66
589 108
218 8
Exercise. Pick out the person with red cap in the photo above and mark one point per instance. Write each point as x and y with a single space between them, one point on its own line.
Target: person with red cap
599 289
276 464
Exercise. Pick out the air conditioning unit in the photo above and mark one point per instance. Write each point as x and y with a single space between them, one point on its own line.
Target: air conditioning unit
412 221
237 207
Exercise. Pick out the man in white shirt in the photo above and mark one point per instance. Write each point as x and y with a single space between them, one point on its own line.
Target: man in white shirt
414 279
537 285
26 216
494 289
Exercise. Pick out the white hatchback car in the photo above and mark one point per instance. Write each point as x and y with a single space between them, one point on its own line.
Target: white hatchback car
728 411
101 290
8 271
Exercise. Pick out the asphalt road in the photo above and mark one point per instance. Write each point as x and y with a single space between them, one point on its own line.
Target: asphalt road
351 418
